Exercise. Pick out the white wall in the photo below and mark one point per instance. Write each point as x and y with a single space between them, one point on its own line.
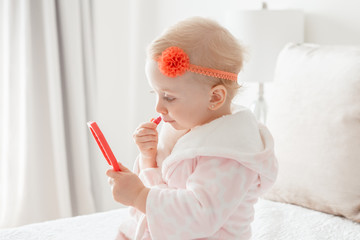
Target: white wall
326 22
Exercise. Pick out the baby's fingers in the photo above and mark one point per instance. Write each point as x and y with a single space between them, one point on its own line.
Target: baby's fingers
145 132
111 173
146 138
149 125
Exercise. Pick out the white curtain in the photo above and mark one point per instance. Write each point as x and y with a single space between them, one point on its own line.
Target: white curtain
46 97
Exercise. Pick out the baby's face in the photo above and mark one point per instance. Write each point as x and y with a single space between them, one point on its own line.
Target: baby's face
181 101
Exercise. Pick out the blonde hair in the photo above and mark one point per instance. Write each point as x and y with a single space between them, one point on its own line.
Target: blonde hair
207 44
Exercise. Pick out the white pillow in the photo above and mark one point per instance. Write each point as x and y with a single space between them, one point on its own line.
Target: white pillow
314 116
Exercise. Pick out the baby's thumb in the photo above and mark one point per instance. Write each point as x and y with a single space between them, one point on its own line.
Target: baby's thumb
123 168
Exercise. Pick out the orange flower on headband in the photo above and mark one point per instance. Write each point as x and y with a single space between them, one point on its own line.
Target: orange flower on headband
173 62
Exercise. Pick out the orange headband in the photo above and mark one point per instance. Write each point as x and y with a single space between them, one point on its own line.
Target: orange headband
175 62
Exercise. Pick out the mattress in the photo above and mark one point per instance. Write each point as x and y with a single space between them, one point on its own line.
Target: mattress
273 220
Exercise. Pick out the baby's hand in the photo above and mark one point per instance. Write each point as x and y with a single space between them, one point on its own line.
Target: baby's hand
146 138
127 188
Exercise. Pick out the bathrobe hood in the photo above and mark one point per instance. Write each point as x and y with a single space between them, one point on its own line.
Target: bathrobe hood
237 136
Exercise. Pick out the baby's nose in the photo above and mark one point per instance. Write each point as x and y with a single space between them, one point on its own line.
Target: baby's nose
160 108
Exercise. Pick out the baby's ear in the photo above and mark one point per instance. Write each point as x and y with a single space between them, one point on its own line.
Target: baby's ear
218 96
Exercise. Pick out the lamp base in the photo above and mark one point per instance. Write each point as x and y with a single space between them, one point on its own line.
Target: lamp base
259 106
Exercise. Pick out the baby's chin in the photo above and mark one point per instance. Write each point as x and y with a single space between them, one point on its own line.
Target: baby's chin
175 125
178 126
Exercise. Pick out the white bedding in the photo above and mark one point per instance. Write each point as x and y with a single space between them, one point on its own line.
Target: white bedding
281 221
273 221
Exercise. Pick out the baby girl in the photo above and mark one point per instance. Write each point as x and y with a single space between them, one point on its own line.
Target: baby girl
200 177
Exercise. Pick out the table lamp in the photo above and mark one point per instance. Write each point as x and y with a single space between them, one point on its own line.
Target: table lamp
264 33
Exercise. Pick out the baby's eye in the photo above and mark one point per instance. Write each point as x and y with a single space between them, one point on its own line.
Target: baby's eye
168 98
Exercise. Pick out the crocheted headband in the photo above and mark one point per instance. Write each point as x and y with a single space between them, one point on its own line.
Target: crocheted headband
175 62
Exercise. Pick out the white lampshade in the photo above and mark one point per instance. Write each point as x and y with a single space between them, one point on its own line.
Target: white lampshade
264 33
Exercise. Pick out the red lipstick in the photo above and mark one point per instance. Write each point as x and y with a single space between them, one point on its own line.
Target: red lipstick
156 120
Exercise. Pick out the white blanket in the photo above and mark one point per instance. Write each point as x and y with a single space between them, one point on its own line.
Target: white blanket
98 226
281 221
273 221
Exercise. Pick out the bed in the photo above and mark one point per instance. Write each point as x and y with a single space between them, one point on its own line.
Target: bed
314 115
273 220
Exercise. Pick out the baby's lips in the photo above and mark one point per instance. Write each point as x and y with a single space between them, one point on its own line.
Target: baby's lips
156 120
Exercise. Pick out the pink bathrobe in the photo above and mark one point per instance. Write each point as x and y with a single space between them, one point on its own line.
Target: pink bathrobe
207 181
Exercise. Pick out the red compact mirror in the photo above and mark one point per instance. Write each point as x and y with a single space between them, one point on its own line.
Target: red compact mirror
103 145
